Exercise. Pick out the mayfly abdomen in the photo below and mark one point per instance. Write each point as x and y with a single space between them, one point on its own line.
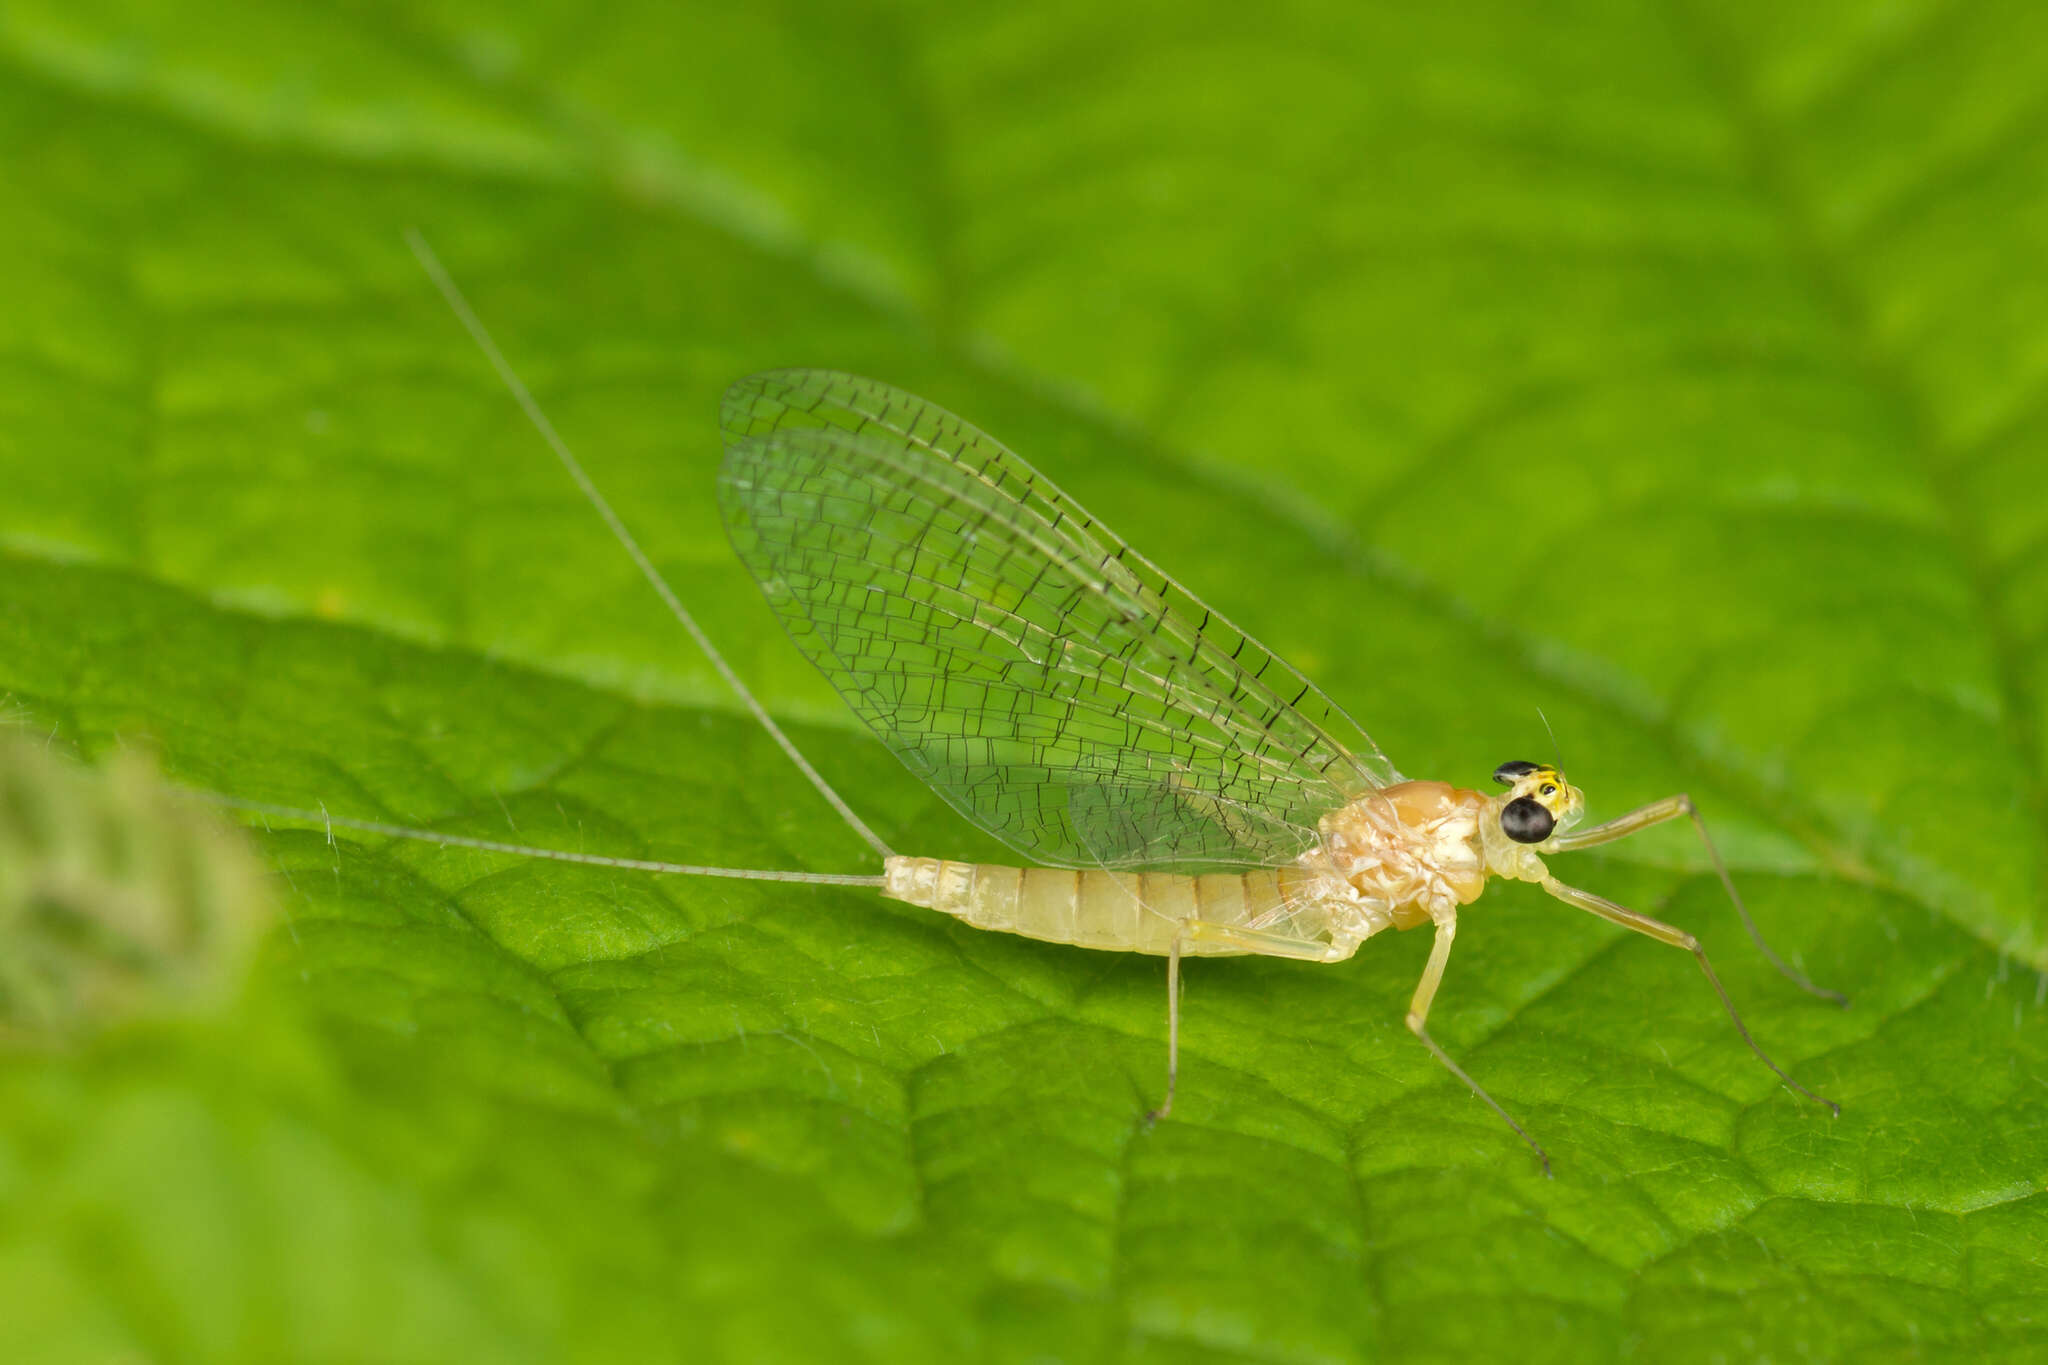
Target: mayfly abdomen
1129 912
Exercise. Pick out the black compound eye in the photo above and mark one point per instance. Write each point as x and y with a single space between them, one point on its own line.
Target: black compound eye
1526 821
1508 773
1549 789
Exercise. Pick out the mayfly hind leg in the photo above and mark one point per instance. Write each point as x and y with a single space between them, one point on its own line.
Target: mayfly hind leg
1670 808
1256 942
1677 938
1172 1032
1418 1024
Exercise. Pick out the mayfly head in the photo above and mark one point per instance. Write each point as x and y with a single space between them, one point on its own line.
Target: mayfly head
1539 802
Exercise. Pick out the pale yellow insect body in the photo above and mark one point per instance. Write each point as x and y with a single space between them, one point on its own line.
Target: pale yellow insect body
1187 793
1401 857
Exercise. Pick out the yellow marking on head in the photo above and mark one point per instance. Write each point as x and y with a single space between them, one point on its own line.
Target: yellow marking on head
1544 785
1547 787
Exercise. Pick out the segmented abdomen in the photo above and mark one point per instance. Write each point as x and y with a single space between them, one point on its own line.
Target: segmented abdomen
1130 912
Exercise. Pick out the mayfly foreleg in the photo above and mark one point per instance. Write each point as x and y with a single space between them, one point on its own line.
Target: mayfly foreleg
1418 1024
1670 808
1677 938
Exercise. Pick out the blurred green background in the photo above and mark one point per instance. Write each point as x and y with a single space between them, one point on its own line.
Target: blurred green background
1676 368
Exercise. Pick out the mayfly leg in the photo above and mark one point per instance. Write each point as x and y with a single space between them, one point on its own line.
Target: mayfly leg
1677 938
1256 942
1418 1024
466 315
1172 1031
1670 808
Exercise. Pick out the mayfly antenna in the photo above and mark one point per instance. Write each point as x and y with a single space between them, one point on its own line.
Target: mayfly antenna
527 404
1556 749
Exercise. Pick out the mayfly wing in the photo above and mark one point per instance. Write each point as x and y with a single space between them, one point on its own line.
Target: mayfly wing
1050 683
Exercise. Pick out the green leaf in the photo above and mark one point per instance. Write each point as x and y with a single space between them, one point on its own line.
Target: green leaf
1676 371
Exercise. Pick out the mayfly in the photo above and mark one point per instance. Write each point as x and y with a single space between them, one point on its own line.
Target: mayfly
1169 785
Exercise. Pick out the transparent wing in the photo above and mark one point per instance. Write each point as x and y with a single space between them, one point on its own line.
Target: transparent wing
1049 682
